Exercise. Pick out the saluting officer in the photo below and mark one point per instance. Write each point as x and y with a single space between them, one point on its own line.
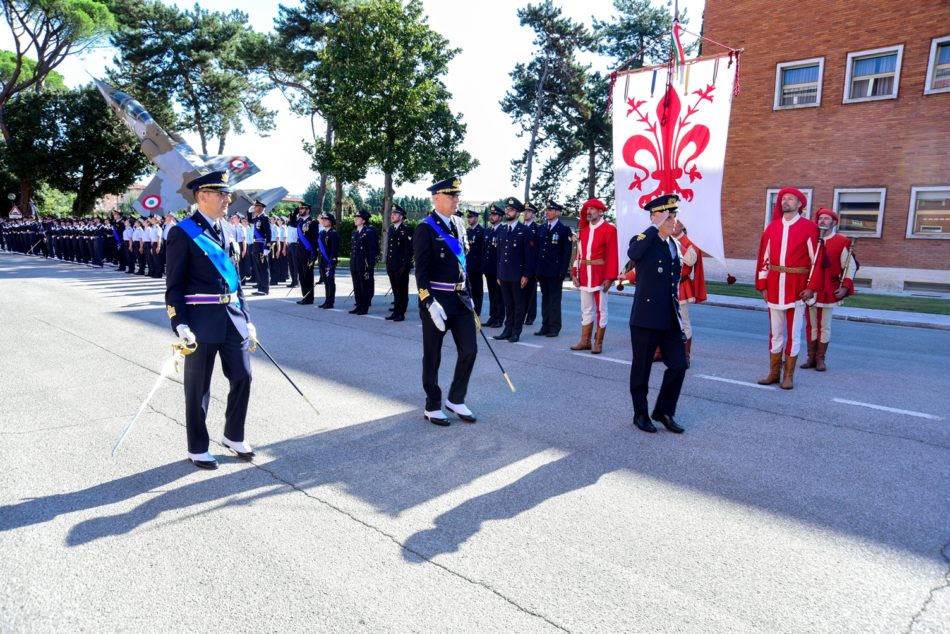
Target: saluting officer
475 259
515 266
364 250
444 302
552 267
206 306
496 305
399 262
328 241
260 248
655 318
307 231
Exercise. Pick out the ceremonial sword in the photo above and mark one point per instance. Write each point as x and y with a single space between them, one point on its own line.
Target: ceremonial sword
257 344
179 352
478 326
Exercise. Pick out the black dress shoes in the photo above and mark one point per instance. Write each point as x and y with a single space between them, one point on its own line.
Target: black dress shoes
304 302
354 311
668 422
399 318
258 293
551 334
528 322
514 338
361 312
505 334
390 317
541 333
210 465
642 422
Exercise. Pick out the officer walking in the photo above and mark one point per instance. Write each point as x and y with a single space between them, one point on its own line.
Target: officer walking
475 259
364 250
444 302
552 267
328 241
496 305
260 248
515 267
399 262
206 307
655 318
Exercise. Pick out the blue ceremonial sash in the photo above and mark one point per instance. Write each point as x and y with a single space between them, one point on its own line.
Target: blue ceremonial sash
303 239
453 242
257 236
215 253
326 257
116 234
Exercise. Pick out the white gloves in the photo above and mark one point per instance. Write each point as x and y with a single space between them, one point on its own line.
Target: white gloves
251 331
438 315
184 333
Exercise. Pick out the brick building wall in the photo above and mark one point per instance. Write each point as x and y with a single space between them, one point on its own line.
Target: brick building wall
894 143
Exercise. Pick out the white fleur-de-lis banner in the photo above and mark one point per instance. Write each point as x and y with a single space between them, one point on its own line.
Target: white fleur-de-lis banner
673 142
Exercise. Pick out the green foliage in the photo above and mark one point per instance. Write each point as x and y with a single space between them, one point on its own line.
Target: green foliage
639 32
53 202
72 142
194 59
346 227
53 82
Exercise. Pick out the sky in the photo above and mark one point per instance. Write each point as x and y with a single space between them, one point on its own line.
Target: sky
492 42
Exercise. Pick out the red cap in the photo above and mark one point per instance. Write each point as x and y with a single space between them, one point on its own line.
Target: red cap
777 212
826 212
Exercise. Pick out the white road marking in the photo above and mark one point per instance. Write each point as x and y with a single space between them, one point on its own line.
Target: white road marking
894 410
588 355
374 317
734 382
529 345
336 310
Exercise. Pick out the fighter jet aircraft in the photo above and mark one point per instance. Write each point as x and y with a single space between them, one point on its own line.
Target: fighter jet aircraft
177 163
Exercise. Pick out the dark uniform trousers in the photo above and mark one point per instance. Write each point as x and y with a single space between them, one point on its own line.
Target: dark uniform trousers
142 256
551 289
399 280
462 327
496 305
199 366
261 265
304 268
328 276
292 260
478 290
531 299
514 298
364 287
654 322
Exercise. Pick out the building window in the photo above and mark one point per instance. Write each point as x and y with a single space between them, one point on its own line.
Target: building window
873 75
938 69
929 214
771 196
798 84
860 211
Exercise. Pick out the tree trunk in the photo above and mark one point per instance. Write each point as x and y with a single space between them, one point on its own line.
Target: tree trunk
338 203
221 144
387 209
591 171
26 196
4 129
322 192
532 145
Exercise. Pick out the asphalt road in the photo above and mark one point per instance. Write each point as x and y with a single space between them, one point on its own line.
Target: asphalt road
823 509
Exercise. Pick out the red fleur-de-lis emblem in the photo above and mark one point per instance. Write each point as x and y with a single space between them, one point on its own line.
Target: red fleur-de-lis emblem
673 150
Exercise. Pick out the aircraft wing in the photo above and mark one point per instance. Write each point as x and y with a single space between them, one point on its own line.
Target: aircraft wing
239 167
243 199
165 195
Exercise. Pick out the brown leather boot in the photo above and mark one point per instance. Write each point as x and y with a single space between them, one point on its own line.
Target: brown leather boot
810 361
789 373
820 357
775 369
599 341
584 342
689 350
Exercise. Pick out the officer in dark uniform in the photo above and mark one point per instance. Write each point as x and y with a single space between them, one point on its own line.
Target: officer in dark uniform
308 232
399 262
552 268
496 305
260 249
444 302
531 288
364 251
655 318
329 246
475 259
206 306
515 265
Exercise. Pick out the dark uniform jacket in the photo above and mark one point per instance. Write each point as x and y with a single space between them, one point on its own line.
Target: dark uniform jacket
490 257
516 253
309 227
435 262
331 244
399 253
189 271
656 304
261 225
364 249
476 250
554 251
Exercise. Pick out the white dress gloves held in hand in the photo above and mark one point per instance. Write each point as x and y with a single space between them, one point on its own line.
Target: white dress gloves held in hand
184 333
438 315
251 331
